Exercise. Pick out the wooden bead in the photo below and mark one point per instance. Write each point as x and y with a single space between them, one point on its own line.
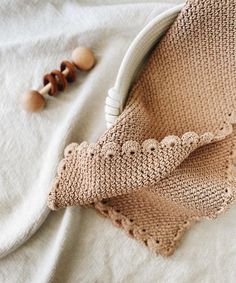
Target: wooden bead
61 80
49 78
33 101
71 76
83 58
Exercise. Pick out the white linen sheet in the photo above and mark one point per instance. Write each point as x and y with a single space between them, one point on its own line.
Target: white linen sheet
78 245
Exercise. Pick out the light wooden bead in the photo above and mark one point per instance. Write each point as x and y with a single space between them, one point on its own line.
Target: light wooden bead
83 58
33 101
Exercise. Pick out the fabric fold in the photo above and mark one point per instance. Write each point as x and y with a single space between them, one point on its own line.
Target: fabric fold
95 172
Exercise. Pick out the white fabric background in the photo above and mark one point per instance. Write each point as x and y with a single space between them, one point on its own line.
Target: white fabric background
77 245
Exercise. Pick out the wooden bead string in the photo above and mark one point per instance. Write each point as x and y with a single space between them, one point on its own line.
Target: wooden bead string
83 59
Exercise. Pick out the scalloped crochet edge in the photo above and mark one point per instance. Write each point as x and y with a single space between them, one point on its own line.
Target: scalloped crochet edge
206 137
132 230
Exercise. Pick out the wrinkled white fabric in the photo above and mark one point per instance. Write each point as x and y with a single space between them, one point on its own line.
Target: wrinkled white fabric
77 245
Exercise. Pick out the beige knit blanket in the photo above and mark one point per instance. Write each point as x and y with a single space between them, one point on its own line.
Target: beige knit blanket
167 161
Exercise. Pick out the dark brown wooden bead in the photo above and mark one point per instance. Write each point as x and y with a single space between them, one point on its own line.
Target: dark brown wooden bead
71 77
49 78
61 79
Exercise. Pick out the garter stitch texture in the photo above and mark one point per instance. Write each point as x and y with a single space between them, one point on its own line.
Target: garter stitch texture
167 161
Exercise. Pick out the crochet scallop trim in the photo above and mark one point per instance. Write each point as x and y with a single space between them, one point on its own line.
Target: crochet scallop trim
138 233
189 139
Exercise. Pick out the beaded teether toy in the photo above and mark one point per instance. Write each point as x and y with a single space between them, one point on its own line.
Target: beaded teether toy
82 58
